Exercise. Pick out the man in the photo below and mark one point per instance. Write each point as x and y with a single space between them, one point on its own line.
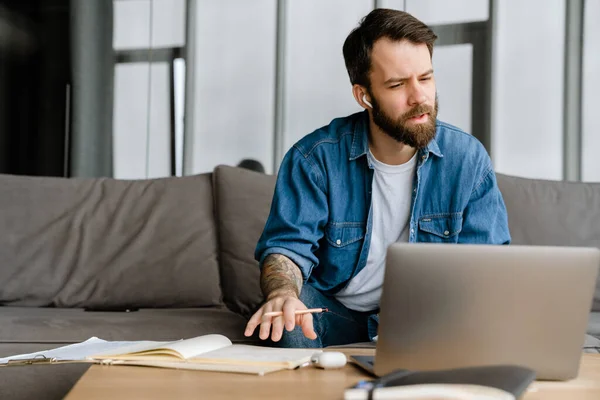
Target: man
347 191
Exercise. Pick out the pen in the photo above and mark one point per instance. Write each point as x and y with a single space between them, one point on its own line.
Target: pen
297 312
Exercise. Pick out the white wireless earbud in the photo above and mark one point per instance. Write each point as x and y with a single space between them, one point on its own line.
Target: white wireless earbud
329 359
366 101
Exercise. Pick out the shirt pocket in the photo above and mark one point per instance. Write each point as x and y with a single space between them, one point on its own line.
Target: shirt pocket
342 234
440 227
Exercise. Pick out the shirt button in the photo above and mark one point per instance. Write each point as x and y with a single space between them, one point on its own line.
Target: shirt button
446 233
338 242
423 157
412 231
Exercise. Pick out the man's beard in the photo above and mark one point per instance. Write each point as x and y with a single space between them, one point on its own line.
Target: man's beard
417 136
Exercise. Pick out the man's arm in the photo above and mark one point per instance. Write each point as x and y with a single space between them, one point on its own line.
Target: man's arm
281 283
299 213
286 248
279 277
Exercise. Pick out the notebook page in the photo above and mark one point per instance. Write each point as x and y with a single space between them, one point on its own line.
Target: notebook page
239 368
73 352
163 350
202 344
130 347
247 354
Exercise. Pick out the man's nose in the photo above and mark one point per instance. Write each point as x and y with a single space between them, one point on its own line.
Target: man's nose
417 95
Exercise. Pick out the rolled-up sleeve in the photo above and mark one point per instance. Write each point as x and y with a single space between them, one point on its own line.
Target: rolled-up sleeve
298 215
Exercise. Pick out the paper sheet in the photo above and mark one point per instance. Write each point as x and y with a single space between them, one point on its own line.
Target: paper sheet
241 369
186 348
74 352
247 354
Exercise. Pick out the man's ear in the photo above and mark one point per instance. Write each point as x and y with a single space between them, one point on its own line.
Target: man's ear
360 95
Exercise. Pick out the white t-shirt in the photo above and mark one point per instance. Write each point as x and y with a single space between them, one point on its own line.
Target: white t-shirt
391 205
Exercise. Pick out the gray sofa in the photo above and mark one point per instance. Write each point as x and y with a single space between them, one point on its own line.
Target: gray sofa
180 250
554 213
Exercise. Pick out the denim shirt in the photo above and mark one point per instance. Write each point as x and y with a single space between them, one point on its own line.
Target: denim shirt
321 215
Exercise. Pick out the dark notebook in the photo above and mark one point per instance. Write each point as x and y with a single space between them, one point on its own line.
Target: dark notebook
508 378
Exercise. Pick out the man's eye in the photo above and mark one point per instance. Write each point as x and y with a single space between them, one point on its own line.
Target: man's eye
396 85
426 78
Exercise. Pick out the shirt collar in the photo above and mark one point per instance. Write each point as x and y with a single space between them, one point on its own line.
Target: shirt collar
360 139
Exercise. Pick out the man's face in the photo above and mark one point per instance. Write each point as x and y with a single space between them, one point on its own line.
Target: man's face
403 91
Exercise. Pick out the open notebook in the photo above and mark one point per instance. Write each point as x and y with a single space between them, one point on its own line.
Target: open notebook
209 353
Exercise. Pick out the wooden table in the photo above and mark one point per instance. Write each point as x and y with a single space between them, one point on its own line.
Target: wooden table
121 382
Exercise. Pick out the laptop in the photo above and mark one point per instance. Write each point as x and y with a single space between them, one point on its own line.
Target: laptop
451 306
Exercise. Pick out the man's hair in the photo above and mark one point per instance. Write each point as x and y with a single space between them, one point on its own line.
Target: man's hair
381 23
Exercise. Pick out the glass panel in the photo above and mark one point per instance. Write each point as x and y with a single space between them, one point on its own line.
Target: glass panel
168 23
317 87
130 120
438 12
142 109
453 66
234 83
395 4
591 88
527 90
159 153
131 123
131 24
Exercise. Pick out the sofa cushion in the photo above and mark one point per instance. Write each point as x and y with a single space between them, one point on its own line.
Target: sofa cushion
553 213
59 326
591 344
107 242
243 200
594 324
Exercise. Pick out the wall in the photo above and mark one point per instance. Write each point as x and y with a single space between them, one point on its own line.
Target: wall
591 88
234 84
528 88
239 53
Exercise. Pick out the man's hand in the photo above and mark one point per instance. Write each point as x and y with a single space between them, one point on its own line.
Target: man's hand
281 283
288 303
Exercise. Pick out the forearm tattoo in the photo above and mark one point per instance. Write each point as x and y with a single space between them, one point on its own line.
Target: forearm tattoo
280 275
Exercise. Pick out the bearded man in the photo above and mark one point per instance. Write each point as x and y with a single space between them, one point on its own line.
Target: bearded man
345 192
